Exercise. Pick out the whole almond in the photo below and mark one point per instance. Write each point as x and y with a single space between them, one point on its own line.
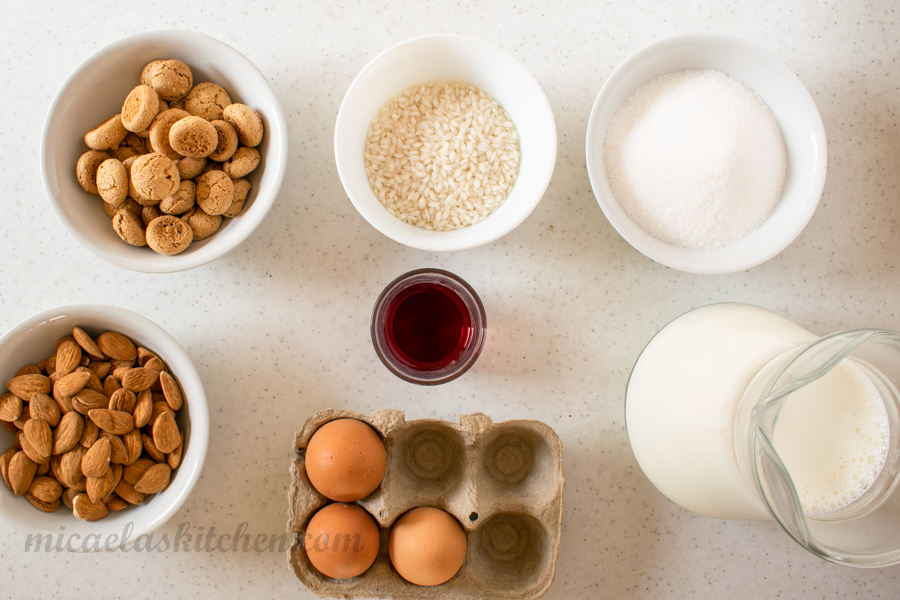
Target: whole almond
86 510
154 480
68 434
144 355
118 373
116 503
95 462
151 449
139 379
55 464
46 489
64 402
21 473
31 452
94 382
40 504
98 488
24 416
173 458
90 434
10 407
110 385
68 495
38 434
116 346
126 491
123 364
165 433
5 459
116 422
134 471
171 391
68 357
25 386
70 473
72 383
44 407
133 446
87 343
100 369
122 399
159 407
48 365
156 364
118 452
10 427
42 469
88 400
143 408
29 370
63 340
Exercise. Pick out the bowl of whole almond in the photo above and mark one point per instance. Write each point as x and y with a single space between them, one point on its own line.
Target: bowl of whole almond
105 426
163 151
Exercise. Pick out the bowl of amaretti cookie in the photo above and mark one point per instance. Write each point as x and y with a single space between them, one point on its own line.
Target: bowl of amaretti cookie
163 151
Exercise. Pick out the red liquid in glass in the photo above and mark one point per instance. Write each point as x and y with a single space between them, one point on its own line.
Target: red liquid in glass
427 326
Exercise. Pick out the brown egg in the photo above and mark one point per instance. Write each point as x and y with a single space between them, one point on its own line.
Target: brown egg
345 460
342 540
427 546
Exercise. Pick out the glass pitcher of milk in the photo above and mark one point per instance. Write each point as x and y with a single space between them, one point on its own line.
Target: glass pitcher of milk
734 412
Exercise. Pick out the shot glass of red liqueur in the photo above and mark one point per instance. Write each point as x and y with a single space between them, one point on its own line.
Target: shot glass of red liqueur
428 326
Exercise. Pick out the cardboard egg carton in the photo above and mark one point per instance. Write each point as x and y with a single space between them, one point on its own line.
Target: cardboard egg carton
503 482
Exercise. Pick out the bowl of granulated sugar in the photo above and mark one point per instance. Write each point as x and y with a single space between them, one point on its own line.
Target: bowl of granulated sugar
706 153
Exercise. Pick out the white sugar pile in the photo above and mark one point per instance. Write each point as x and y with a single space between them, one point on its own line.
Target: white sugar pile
696 159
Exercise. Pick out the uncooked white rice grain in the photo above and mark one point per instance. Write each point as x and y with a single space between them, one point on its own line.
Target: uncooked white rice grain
442 155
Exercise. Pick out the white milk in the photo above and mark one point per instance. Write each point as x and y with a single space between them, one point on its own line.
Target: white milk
681 401
832 436
680 409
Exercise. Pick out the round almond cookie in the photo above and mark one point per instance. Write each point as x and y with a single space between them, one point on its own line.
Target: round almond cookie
141 105
129 227
144 135
154 176
108 134
202 224
241 189
169 235
181 201
179 104
112 181
228 140
190 167
247 122
215 192
241 163
207 100
212 166
86 169
148 213
194 137
159 131
170 79
132 145
127 204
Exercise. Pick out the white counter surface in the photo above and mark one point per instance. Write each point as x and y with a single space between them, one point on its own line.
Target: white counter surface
279 328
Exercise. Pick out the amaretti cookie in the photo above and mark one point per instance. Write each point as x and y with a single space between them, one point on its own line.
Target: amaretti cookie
86 169
241 163
181 201
169 235
241 189
154 176
148 213
190 167
227 142
126 204
170 79
215 192
202 224
112 181
194 137
129 227
246 121
207 100
141 105
107 135
159 132
132 145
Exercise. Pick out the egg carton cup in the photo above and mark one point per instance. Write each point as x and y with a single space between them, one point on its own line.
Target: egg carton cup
503 482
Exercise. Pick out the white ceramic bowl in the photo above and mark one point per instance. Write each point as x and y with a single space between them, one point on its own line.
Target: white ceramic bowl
33 340
792 106
96 90
465 60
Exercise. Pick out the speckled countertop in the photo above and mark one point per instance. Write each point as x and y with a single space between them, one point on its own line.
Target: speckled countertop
278 329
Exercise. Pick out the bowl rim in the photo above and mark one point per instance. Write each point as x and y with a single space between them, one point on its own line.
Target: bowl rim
250 220
433 243
622 223
198 402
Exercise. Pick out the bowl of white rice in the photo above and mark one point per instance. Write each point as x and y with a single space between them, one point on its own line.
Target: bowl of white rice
706 153
444 142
